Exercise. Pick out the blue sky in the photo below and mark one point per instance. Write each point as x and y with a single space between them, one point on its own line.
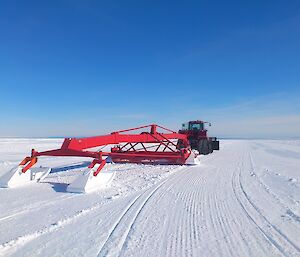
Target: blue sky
73 68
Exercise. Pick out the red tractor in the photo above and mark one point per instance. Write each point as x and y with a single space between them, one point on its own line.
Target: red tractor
197 137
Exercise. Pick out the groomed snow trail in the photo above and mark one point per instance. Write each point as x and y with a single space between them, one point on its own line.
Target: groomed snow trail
241 201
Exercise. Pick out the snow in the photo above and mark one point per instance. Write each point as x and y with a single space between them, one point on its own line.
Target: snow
243 200
15 177
87 182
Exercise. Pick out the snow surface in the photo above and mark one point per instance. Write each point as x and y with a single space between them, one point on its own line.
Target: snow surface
241 201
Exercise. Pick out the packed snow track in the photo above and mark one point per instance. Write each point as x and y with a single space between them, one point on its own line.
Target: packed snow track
241 201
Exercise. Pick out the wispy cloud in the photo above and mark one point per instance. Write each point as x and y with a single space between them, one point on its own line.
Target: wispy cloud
276 126
268 116
276 115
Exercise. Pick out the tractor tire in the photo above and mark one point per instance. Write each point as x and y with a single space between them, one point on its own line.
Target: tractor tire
200 147
210 146
203 147
216 145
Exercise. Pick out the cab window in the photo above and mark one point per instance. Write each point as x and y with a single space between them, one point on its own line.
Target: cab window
196 126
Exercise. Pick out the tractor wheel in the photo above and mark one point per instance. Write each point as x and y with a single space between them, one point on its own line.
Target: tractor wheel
200 147
203 147
210 147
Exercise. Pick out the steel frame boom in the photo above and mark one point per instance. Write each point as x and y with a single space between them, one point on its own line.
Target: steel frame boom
76 147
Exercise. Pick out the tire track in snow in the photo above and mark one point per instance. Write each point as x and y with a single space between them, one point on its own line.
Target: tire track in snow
273 195
116 240
215 214
198 206
205 211
271 232
120 234
247 213
284 236
222 215
13 245
180 240
222 222
187 219
167 243
199 213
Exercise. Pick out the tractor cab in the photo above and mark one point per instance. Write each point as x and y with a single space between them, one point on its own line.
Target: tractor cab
193 126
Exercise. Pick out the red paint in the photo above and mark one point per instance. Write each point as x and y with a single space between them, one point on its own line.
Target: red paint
163 150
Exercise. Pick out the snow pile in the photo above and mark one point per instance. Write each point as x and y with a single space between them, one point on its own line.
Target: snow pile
87 182
15 177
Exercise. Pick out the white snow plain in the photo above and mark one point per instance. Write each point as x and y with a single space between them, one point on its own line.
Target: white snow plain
243 200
